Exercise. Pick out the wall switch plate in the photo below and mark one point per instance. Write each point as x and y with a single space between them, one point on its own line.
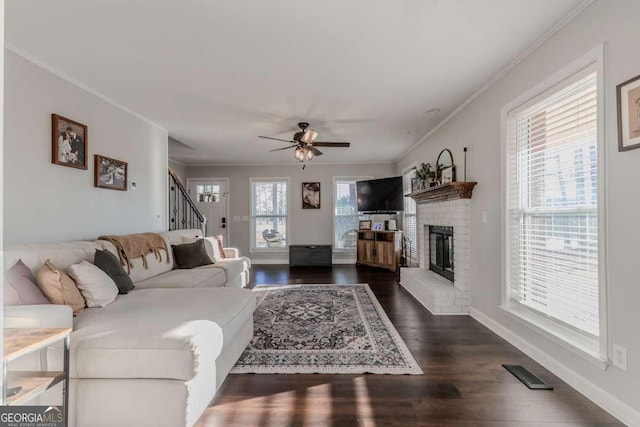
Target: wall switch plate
134 185
245 217
620 357
485 216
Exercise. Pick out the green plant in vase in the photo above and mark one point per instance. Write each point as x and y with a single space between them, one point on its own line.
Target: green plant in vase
425 174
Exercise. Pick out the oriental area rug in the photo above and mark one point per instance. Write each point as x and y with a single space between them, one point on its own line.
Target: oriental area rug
328 329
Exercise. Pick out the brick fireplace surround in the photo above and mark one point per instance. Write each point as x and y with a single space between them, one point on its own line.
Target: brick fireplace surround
437 294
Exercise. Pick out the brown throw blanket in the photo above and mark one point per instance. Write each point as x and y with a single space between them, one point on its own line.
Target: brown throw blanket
139 245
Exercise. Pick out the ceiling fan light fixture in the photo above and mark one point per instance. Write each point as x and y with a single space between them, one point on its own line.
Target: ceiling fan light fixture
309 154
299 154
309 136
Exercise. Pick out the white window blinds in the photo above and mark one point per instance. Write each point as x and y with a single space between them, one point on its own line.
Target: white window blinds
410 218
552 204
269 213
346 218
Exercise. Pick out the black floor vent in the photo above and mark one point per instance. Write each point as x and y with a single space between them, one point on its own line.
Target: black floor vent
527 378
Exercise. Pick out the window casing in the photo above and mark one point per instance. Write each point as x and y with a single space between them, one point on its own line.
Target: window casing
410 218
345 213
554 230
269 213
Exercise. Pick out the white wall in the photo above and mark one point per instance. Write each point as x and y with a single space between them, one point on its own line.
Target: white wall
44 202
478 126
1 169
180 170
307 226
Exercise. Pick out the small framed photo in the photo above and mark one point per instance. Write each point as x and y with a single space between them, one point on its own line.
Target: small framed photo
378 226
447 175
628 97
310 195
110 173
365 224
68 142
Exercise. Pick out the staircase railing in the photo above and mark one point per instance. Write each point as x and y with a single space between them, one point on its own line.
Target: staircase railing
183 213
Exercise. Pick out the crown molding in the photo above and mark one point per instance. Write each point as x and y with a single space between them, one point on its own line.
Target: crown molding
517 60
389 162
21 53
177 162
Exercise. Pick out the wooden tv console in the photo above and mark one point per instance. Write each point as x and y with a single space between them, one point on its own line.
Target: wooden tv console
379 249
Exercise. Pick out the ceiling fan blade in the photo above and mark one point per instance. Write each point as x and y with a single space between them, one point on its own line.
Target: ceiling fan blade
332 144
309 136
276 139
284 148
316 152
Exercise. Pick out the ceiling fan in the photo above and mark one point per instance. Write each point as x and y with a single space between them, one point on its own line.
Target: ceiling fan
304 143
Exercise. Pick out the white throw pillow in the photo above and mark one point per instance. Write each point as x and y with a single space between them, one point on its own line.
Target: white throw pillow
209 242
97 288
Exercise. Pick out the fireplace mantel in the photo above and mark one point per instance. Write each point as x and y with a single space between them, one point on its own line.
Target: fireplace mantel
439 193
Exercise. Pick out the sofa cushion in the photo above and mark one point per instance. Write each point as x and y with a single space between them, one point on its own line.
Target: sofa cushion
97 288
59 288
220 240
232 267
113 342
138 272
200 277
110 264
191 255
62 255
20 287
210 244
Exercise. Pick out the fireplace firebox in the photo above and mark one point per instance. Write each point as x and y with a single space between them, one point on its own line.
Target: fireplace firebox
441 251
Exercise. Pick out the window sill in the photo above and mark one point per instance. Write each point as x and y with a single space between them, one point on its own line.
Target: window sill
269 250
571 340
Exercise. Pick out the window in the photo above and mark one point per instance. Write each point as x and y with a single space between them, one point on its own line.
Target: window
552 195
410 218
208 193
346 217
269 213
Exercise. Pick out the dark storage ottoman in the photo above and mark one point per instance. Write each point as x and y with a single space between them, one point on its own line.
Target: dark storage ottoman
310 255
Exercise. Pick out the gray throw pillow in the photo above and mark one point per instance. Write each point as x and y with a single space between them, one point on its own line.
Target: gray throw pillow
20 287
109 263
191 255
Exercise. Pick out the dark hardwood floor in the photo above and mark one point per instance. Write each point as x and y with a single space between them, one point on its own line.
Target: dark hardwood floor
463 384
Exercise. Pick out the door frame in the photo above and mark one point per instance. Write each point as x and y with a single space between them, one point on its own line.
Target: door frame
228 184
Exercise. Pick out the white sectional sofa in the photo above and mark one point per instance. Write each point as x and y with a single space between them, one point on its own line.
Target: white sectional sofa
153 357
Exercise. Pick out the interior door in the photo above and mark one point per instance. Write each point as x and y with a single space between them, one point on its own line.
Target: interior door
211 198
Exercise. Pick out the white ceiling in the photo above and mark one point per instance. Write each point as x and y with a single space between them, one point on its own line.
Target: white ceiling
218 73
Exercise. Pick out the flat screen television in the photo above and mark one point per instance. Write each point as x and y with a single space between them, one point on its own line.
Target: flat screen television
380 195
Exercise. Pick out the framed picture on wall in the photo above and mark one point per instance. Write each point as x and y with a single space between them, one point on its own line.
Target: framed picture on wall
110 173
628 97
68 142
310 195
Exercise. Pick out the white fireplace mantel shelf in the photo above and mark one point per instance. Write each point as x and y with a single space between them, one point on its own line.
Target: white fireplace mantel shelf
439 193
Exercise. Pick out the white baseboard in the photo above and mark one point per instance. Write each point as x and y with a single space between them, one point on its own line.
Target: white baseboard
285 261
265 261
344 260
600 397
